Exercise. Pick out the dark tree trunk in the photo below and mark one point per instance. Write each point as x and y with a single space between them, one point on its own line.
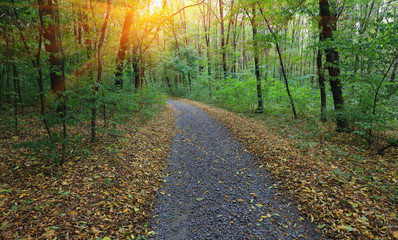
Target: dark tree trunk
244 55
50 33
281 63
124 40
40 75
321 82
86 29
137 72
206 25
223 50
99 74
169 85
15 79
260 105
394 72
328 24
392 88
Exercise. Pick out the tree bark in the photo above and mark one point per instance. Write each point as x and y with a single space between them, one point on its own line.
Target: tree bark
260 105
321 82
40 75
328 24
136 67
99 73
223 52
50 33
15 78
124 40
392 87
206 25
281 63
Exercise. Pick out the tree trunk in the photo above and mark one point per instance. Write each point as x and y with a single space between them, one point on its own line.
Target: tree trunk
136 67
281 63
99 73
206 25
328 24
260 105
15 80
223 50
50 33
40 75
321 82
392 88
124 40
234 45
380 84
244 57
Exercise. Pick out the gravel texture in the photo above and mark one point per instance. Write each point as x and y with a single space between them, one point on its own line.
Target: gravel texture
213 188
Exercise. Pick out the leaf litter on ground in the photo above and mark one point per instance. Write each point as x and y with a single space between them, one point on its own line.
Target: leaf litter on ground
350 192
108 194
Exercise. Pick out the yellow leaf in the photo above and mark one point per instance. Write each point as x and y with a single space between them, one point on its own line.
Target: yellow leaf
240 200
22 195
369 235
254 195
395 234
343 227
73 212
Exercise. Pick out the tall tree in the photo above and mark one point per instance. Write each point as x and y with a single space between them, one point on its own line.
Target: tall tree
124 41
328 25
99 72
274 35
321 82
206 18
52 45
253 21
223 50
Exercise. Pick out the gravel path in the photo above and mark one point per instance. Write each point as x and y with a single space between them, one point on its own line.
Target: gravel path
213 188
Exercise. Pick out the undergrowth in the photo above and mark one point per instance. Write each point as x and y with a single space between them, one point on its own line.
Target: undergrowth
104 189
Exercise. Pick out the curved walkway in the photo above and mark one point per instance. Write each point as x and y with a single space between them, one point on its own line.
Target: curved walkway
213 188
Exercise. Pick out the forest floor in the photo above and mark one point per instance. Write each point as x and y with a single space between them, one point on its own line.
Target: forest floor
107 189
349 190
104 190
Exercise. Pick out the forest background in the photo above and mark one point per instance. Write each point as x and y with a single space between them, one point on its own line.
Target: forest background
73 72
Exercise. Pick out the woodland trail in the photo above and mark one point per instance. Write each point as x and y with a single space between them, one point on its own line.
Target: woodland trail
214 189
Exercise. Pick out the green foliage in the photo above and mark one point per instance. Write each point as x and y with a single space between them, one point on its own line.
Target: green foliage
237 94
117 106
149 102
